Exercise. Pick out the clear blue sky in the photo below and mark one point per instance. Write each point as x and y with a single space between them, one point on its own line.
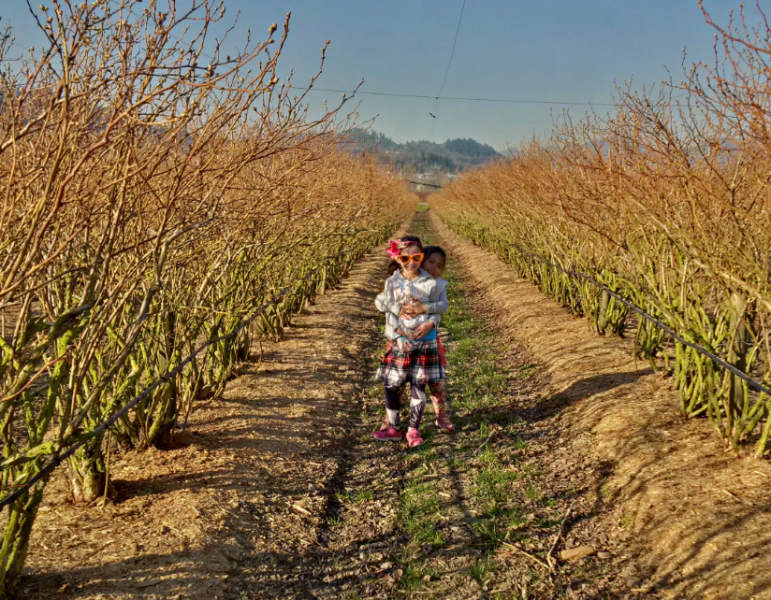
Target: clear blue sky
554 50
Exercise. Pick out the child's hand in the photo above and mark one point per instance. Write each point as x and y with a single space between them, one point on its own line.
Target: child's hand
408 333
406 311
418 308
403 344
411 309
422 330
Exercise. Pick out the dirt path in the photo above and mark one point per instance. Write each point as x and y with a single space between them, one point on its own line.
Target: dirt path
278 490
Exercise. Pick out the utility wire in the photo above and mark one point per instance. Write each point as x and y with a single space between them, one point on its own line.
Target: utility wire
439 96
447 71
454 42
462 98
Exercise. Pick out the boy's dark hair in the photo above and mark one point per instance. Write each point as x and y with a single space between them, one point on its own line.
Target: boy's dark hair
429 250
412 240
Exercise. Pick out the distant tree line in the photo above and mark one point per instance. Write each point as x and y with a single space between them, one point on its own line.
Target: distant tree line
452 156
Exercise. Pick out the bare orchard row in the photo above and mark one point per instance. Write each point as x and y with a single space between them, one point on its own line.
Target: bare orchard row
665 203
153 198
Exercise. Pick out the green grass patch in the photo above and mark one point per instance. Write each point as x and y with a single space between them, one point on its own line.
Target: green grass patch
360 496
415 577
364 496
421 511
481 571
484 454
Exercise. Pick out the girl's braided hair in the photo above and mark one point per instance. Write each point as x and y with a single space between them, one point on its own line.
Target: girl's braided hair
411 240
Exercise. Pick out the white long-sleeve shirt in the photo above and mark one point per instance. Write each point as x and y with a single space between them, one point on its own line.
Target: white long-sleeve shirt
399 290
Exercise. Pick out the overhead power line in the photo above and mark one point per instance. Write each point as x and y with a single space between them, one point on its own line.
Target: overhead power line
463 98
446 72
454 42
439 96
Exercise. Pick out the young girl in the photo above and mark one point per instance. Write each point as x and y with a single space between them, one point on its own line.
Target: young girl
434 261
416 360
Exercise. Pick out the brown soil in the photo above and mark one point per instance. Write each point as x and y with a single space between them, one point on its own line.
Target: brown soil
276 491
682 517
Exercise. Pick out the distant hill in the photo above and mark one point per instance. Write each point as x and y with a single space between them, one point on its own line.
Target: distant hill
452 156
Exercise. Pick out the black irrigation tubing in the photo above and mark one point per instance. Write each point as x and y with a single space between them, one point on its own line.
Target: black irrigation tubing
758 387
23 487
439 187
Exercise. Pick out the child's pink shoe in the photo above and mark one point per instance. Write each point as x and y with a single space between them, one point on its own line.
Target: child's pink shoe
388 434
443 422
413 437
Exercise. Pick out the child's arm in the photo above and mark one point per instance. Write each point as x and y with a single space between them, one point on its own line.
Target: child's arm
392 325
385 302
439 305
424 329
402 341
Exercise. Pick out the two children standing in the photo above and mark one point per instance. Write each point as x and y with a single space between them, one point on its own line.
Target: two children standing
413 301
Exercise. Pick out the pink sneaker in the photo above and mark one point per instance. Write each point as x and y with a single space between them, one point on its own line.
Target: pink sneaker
413 437
443 422
388 434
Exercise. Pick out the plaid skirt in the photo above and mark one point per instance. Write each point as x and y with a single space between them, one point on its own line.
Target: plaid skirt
421 365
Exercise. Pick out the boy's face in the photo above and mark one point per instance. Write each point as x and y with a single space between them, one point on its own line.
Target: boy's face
434 265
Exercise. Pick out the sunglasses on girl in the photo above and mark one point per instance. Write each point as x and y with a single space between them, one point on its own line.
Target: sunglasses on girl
405 260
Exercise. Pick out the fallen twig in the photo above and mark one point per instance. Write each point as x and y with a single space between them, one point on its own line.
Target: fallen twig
492 433
523 588
300 509
530 556
98 550
560 533
738 498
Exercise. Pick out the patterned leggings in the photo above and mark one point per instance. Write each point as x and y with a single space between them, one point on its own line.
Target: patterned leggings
393 396
417 402
439 396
